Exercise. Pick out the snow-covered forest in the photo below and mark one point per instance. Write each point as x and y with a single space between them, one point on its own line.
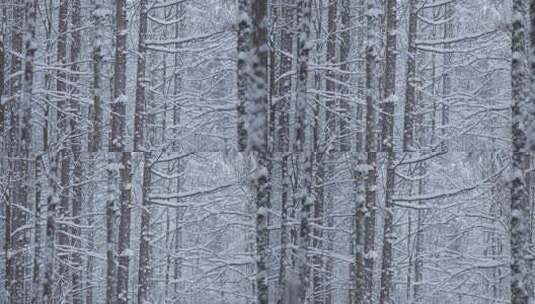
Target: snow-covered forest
267 151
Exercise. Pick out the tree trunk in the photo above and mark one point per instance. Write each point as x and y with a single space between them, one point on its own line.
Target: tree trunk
387 125
90 264
359 175
244 48
118 104
76 147
330 86
62 123
410 84
36 275
520 264
2 78
125 187
26 136
144 276
304 13
139 125
18 152
345 48
371 149
95 132
111 252
50 248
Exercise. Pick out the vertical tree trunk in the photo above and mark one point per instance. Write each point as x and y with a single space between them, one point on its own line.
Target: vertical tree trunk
410 82
51 170
371 149
17 150
76 147
37 258
144 276
111 252
257 139
304 12
283 264
418 260
118 104
140 80
62 124
48 81
90 263
359 175
283 107
303 50
7 246
31 12
125 202
346 28
95 132
2 78
387 125
520 265
26 136
285 83
330 86
244 32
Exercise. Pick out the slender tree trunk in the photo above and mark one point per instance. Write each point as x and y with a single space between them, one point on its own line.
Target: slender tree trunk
76 147
125 188
144 276
95 132
330 86
418 260
244 33
50 246
345 47
18 151
48 74
37 258
257 138
283 107
359 175
111 252
371 149
283 265
520 265
26 136
410 85
63 131
2 71
389 99
118 104
140 80
304 14
90 264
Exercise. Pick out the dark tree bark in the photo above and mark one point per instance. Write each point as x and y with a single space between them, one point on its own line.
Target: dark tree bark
111 252
50 245
125 204
330 86
18 151
76 148
144 276
244 48
371 149
410 85
520 214
140 114
95 132
118 104
387 125
63 138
